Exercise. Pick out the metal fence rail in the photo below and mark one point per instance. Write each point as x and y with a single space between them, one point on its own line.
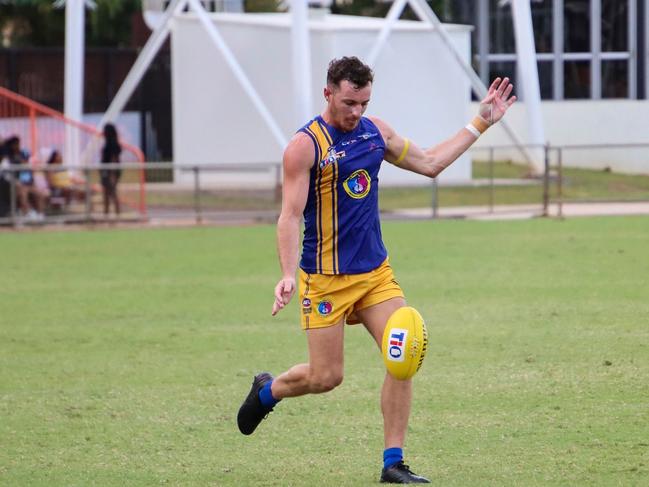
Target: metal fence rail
572 174
206 196
199 193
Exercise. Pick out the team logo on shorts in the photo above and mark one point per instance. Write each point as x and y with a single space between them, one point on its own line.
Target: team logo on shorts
358 184
325 307
396 344
306 306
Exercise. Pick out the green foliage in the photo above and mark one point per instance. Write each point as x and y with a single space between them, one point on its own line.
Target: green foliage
32 23
124 355
369 8
110 23
37 23
262 5
374 8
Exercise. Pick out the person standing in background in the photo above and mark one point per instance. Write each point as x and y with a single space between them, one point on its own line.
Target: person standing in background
110 177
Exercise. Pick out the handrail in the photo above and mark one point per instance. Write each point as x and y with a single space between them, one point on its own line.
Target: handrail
59 116
32 107
615 145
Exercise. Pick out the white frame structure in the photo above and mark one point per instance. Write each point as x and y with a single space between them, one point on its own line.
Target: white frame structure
301 59
523 27
75 11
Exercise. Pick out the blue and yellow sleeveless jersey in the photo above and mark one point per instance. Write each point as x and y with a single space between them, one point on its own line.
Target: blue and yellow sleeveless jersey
342 232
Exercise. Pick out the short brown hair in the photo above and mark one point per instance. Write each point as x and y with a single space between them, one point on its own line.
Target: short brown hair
351 69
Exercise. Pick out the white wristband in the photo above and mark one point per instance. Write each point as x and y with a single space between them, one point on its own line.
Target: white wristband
470 127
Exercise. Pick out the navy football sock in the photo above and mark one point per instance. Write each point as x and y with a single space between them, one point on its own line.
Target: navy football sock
266 397
392 456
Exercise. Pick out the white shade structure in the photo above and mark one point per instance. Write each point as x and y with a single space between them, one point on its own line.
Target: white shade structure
229 77
418 87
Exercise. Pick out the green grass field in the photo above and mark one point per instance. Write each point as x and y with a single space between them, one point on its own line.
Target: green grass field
579 185
124 355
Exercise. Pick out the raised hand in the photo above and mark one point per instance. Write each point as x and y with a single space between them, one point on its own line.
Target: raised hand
498 100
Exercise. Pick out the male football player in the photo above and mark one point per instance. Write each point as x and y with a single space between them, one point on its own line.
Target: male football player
331 169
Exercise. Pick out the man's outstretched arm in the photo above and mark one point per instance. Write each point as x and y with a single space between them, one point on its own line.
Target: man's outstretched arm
430 162
298 159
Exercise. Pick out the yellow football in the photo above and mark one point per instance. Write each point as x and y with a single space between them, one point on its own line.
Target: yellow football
405 340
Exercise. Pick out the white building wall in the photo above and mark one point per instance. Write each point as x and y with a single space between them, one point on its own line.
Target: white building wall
587 122
418 88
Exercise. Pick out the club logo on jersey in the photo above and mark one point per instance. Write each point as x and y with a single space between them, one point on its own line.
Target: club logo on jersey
365 136
396 344
358 184
331 157
325 307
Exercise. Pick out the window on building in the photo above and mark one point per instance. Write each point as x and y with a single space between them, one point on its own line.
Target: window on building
576 26
592 46
615 75
501 28
576 75
503 69
615 25
546 84
542 25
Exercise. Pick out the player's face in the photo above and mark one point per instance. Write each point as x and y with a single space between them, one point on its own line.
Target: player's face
346 104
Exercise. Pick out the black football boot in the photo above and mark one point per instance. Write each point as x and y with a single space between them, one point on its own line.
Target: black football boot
252 411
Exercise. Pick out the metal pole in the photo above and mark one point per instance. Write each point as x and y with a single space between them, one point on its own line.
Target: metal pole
75 11
144 59
88 200
645 61
546 181
390 21
301 50
278 183
483 39
633 40
33 130
560 182
197 195
12 195
596 49
491 180
435 199
529 75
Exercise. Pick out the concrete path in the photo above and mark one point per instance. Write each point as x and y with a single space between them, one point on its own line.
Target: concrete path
517 212
188 218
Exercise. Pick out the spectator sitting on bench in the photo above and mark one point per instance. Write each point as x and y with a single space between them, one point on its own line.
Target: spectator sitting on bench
5 183
31 198
62 182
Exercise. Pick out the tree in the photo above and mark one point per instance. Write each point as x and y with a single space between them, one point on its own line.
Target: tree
262 5
374 8
38 23
31 23
110 23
